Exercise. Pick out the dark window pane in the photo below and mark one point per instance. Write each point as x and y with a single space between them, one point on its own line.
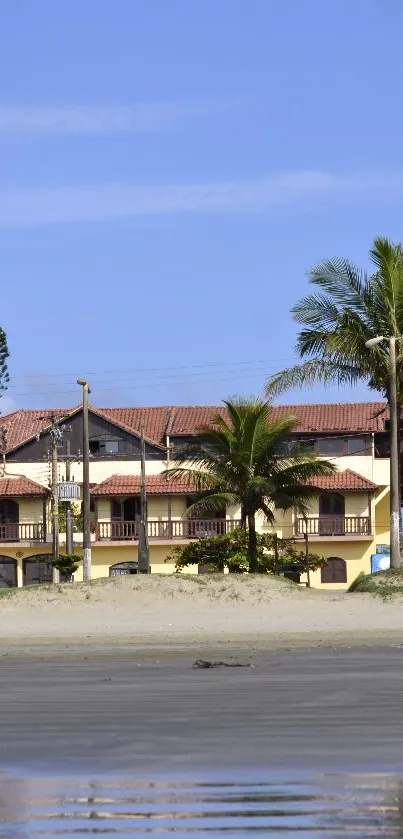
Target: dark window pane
357 445
331 445
36 570
109 447
8 572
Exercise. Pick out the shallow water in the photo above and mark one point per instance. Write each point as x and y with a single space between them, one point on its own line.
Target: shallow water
325 805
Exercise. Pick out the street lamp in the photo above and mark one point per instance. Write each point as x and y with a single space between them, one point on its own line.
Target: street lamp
395 559
86 484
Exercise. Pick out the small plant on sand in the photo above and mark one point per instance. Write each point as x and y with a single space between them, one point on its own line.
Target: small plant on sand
384 583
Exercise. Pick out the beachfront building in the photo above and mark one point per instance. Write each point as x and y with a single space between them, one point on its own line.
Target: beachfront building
348 521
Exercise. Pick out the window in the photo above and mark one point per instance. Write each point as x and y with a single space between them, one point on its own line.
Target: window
306 445
357 445
103 447
8 572
335 571
331 445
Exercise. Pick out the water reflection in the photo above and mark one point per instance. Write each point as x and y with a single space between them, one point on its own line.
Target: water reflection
323 806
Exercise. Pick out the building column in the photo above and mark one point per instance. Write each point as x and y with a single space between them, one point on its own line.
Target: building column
20 578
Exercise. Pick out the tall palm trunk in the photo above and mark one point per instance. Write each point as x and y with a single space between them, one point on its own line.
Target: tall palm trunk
252 545
399 442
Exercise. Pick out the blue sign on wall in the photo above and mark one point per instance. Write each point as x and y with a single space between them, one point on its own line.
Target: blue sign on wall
380 562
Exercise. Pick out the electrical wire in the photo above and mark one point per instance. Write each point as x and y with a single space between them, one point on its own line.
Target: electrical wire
163 369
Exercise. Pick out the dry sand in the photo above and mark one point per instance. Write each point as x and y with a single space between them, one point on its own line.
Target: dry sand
182 611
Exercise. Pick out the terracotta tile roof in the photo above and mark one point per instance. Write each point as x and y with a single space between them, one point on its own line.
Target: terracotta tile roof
22 426
346 480
130 485
347 416
15 487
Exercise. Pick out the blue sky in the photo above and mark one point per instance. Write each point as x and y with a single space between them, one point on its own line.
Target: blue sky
168 173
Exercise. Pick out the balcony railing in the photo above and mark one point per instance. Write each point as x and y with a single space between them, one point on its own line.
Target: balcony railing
333 526
184 529
22 532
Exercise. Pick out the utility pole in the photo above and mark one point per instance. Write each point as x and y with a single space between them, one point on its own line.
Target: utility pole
143 555
69 517
395 512
86 484
395 558
55 436
307 569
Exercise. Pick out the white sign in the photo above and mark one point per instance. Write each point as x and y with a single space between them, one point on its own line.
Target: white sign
69 491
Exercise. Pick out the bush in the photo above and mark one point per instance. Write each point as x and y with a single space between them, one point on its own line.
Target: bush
66 564
230 552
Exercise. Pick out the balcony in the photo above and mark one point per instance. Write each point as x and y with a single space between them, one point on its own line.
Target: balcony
111 531
333 526
22 532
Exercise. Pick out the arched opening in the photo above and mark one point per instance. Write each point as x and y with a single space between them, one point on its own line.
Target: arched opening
331 514
36 570
9 519
335 571
123 568
8 572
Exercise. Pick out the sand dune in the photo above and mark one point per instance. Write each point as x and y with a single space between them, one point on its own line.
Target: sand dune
205 609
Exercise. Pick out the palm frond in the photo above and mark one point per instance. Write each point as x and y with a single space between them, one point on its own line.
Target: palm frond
317 370
212 504
342 280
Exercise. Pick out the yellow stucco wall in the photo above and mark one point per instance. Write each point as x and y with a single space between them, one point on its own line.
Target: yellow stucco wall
30 510
357 556
382 519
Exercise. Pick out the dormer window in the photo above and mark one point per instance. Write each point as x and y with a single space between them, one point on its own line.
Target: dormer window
105 447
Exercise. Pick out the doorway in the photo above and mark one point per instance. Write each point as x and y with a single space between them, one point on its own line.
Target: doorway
331 514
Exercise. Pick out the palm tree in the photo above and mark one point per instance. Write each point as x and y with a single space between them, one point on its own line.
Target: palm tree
243 458
349 308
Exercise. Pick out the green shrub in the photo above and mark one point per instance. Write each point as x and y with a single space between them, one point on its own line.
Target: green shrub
230 552
66 564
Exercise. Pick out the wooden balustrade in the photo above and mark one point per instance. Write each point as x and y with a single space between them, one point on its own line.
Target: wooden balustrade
182 529
21 532
333 526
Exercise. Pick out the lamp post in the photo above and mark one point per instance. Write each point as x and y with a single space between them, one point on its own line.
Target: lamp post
86 484
395 558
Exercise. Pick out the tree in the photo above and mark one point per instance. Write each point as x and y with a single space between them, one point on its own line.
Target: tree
230 551
4 355
243 461
67 564
349 308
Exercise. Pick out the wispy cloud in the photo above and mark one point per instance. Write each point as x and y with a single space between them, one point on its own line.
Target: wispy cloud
105 119
121 200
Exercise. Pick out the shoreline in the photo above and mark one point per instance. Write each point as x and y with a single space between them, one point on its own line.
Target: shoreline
231 645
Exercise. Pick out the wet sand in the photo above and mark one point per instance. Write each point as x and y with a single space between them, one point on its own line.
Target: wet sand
151 712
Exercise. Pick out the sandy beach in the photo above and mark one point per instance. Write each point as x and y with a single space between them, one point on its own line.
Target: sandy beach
99 677
182 611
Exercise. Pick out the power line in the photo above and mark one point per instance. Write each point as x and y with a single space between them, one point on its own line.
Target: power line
171 377
233 377
136 370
